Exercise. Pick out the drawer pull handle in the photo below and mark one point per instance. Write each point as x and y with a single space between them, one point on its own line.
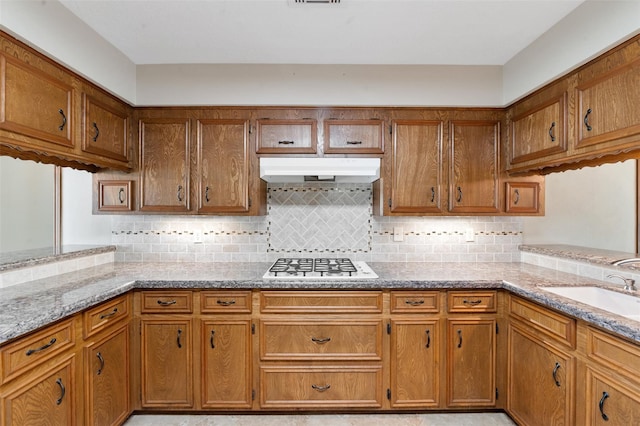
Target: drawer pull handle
42 348
586 120
555 372
63 391
169 303
321 341
472 302
101 359
321 388
601 406
354 142
121 195
414 302
179 193
64 120
286 142
433 194
110 314
551 135
211 341
95 137
428 339
226 302
459 338
206 194
178 339
459 197
516 198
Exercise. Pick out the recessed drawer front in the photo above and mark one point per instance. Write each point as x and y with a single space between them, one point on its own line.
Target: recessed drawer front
28 352
548 322
613 352
302 302
104 315
472 301
287 136
415 302
237 302
321 339
154 302
321 387
354 136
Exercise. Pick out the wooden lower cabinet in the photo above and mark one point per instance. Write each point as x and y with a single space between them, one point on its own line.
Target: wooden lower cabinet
43 399
107 379
541 380
609 401
166 363
226 364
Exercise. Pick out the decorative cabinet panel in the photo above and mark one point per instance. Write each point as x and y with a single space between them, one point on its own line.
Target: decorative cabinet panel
611 401
164 165
541 380
416 164
354 136
522 197
473 179
297 136
115 195
540 132
224 166
105 128
36 103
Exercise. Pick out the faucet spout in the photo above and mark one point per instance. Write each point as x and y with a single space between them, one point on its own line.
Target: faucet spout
629 283
625 261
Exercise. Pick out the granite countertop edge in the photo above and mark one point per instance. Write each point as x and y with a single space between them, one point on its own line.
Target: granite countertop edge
24 311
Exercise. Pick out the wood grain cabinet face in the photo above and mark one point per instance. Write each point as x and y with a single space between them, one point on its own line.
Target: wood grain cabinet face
287 136
611 401
608 106
416 167
522 197
164 165
354 136
107 379
115 195
105 129
540 132
224 166
35 103
541 380
473 180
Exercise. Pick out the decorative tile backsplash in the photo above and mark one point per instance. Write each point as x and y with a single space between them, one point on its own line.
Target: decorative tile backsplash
314 219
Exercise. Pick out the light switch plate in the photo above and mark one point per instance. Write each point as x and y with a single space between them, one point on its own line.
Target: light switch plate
398 233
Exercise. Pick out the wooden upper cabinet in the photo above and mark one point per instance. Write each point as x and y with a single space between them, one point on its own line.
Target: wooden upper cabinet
416 166
474 165
608 106
224 166
540 131
164 165
354 136
105 128
35 103
298 136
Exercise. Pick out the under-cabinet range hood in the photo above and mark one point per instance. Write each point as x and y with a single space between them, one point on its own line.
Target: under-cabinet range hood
300 169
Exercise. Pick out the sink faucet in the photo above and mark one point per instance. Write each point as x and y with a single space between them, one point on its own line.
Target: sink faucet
625 261
629 283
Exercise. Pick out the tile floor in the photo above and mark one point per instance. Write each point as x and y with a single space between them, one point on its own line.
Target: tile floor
433 419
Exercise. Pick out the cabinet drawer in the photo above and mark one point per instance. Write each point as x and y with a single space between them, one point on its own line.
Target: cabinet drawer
321 301
154 302
238 302
316 339
320 387
548 322
104 315
286 136
612 352
354 136
522 197
32 350
410 302
115 195
472 301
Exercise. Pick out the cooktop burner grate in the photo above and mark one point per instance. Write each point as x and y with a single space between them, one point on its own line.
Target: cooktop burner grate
318 268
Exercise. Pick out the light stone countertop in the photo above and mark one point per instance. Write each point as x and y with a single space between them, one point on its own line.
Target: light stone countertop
29 306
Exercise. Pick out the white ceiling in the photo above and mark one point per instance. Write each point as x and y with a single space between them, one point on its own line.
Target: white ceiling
425 32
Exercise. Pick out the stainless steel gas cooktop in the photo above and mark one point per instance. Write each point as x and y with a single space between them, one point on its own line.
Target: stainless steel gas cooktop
319 269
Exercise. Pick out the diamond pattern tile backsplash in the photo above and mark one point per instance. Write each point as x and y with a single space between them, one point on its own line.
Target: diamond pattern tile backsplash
315 219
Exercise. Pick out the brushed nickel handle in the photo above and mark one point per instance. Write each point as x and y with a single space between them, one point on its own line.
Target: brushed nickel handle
226 302
555 372
586 120
472 302
110 314
321 341
605 395
321 388
211 341
414 302
459 338
42 348
178 338
95 127
63 391
101 359
121 195
165 303
428 332
64 120
551 134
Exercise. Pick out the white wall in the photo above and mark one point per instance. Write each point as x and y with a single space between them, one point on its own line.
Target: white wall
592 28
79 226
590 207
52 29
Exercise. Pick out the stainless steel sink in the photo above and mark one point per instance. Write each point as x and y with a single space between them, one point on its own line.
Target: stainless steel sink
626 305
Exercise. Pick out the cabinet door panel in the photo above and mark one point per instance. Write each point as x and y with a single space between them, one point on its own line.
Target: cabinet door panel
416 167
105 129
354 136
167 368
415 363
35 103
609 402
223 158
164 165
287 136
226 364
474 166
